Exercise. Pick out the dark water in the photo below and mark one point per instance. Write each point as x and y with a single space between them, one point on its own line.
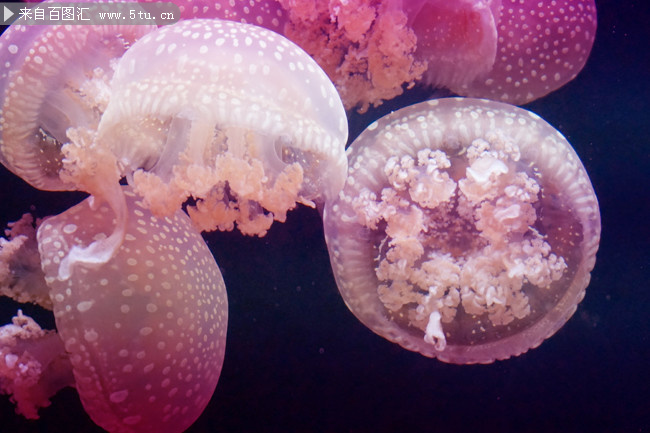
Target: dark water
298 361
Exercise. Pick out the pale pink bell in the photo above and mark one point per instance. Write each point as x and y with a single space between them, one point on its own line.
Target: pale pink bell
231 114
144 334
542 45
53 78
466 231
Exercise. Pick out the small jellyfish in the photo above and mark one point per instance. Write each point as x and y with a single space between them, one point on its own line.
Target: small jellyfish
141 337
467 229
233 115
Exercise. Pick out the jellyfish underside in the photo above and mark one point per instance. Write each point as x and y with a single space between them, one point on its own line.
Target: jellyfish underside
173 142
235 174
451 239
465 242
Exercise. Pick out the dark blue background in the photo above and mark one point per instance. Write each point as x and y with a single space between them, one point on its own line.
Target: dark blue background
298 361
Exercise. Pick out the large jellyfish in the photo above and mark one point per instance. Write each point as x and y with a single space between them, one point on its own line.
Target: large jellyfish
467 229
509 50
233 115
141 337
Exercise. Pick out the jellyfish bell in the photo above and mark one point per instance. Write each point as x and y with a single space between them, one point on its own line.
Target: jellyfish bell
142 337
541 47
234 115
53 78
466 231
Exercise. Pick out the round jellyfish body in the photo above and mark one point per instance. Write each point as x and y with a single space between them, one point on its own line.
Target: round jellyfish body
232 114
541 47
145 332
54 78
467 229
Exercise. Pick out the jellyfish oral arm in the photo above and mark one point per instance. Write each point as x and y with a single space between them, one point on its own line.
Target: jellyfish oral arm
433 333
21 276
94 170
33 365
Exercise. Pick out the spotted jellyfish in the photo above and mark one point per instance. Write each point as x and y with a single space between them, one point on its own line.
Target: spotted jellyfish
467 229
141 337
54 87
233 116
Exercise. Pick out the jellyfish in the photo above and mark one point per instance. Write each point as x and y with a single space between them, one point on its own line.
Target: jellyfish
54 87
233 116
54 78
141 337
509 50
541 46
467 229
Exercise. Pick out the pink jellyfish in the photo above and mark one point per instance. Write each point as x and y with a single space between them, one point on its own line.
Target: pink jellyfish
54 78
233 115
141 337
509 50
541 46
467 229
55 85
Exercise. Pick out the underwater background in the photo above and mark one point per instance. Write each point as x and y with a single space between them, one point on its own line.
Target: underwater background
297 360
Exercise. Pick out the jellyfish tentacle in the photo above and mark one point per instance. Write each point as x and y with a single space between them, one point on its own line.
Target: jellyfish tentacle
34 365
